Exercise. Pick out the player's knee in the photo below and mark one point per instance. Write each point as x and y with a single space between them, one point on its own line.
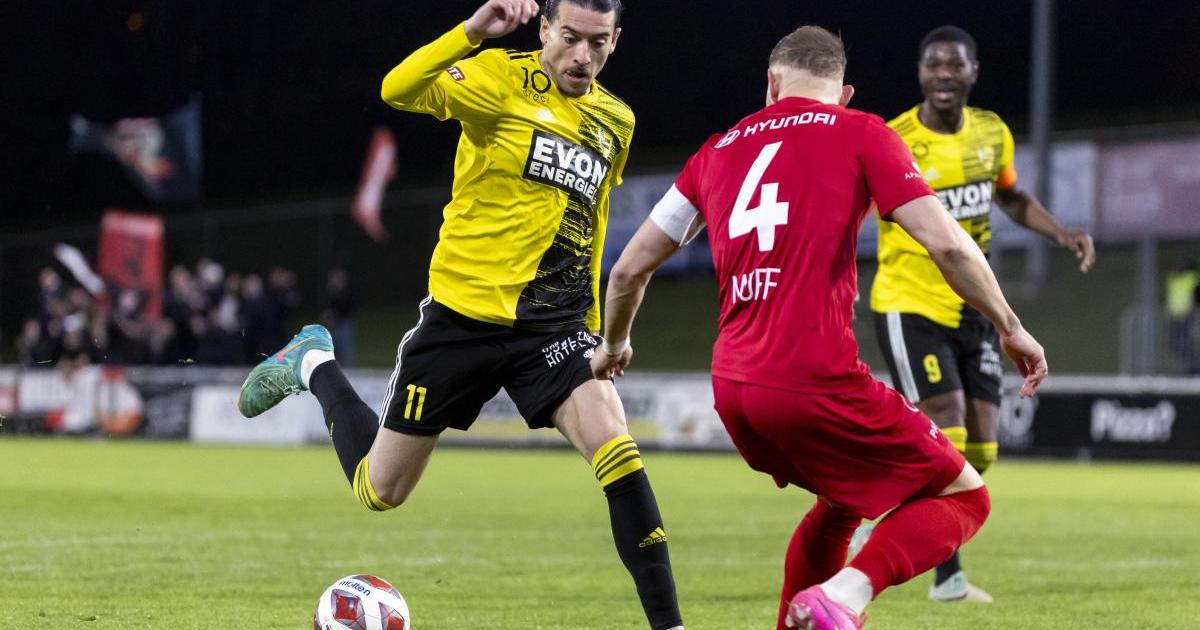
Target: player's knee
981 455
974 505
366 493
980 504
946 410
966 481
617 459
986 503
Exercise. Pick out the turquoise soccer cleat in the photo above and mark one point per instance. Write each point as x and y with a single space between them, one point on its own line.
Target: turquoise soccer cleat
278 376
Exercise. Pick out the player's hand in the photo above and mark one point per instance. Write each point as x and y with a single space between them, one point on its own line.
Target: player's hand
1027 353
497 18
606 366
1081 244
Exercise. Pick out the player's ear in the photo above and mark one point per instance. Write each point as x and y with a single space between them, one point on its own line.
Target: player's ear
544 30
772 87
612 43
847 94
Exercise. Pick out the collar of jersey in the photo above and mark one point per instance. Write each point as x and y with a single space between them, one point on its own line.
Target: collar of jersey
916 114
795 102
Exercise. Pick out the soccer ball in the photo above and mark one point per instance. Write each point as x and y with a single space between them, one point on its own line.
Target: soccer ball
361 602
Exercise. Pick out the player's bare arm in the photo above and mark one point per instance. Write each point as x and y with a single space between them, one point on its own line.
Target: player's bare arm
497 18
967 272
649 248
1025 210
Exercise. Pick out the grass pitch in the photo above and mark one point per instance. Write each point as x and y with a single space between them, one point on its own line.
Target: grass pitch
99 534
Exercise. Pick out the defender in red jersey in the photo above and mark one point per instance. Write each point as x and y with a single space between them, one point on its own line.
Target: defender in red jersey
783 194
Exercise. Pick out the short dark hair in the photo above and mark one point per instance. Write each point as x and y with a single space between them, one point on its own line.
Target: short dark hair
550 8
951 34
811 48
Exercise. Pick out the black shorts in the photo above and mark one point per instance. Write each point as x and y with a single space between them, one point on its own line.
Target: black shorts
926 358
449 365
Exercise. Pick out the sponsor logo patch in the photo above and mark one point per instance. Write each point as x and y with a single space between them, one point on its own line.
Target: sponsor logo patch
455 73
969 200
562 350
577 170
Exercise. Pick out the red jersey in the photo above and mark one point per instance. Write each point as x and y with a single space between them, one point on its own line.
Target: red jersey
783 194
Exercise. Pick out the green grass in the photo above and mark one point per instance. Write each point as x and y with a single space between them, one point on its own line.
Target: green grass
100 534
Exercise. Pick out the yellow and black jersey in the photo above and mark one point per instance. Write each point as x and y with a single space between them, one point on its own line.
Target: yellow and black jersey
523 234
964 169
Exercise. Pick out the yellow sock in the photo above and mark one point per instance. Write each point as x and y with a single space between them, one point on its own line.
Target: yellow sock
957 437
981 455
364 491
617 458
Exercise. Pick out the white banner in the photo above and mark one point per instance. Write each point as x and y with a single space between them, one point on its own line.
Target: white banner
215 418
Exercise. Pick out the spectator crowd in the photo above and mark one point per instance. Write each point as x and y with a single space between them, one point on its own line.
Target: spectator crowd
207 317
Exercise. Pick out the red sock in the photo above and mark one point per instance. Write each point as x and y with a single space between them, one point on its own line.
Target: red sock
919 535
816 552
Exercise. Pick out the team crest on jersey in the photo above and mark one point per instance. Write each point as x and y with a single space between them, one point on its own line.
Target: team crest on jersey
604 140
574 169
987 157
455 73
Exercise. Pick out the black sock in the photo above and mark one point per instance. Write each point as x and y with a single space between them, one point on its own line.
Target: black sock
351 423
642 544
946 569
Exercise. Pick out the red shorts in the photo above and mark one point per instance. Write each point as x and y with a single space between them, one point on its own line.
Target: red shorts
866 450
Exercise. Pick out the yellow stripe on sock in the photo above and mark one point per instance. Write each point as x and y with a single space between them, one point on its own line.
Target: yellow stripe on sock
612 450
981 455
957 437
616 459
363 490
618 469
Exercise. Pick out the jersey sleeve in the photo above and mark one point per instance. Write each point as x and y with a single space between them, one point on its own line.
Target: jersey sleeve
1007 177
677 217
893 178
435 79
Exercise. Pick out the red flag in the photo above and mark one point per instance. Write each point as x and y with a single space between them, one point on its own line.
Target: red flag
378 170
131 256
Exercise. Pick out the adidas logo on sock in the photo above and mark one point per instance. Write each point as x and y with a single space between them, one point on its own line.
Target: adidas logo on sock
656 536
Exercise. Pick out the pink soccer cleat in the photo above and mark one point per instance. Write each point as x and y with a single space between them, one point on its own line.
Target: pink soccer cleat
811 609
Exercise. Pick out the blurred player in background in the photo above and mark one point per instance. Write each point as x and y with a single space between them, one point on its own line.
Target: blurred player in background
783 194
941 353
514 280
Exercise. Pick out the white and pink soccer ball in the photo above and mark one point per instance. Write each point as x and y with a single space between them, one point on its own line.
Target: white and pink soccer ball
361 602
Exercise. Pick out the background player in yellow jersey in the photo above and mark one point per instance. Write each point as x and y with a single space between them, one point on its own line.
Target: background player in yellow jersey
514 280
942 354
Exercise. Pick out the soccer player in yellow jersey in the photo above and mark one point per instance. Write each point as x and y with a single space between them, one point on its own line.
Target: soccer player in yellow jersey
942 354
514 280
